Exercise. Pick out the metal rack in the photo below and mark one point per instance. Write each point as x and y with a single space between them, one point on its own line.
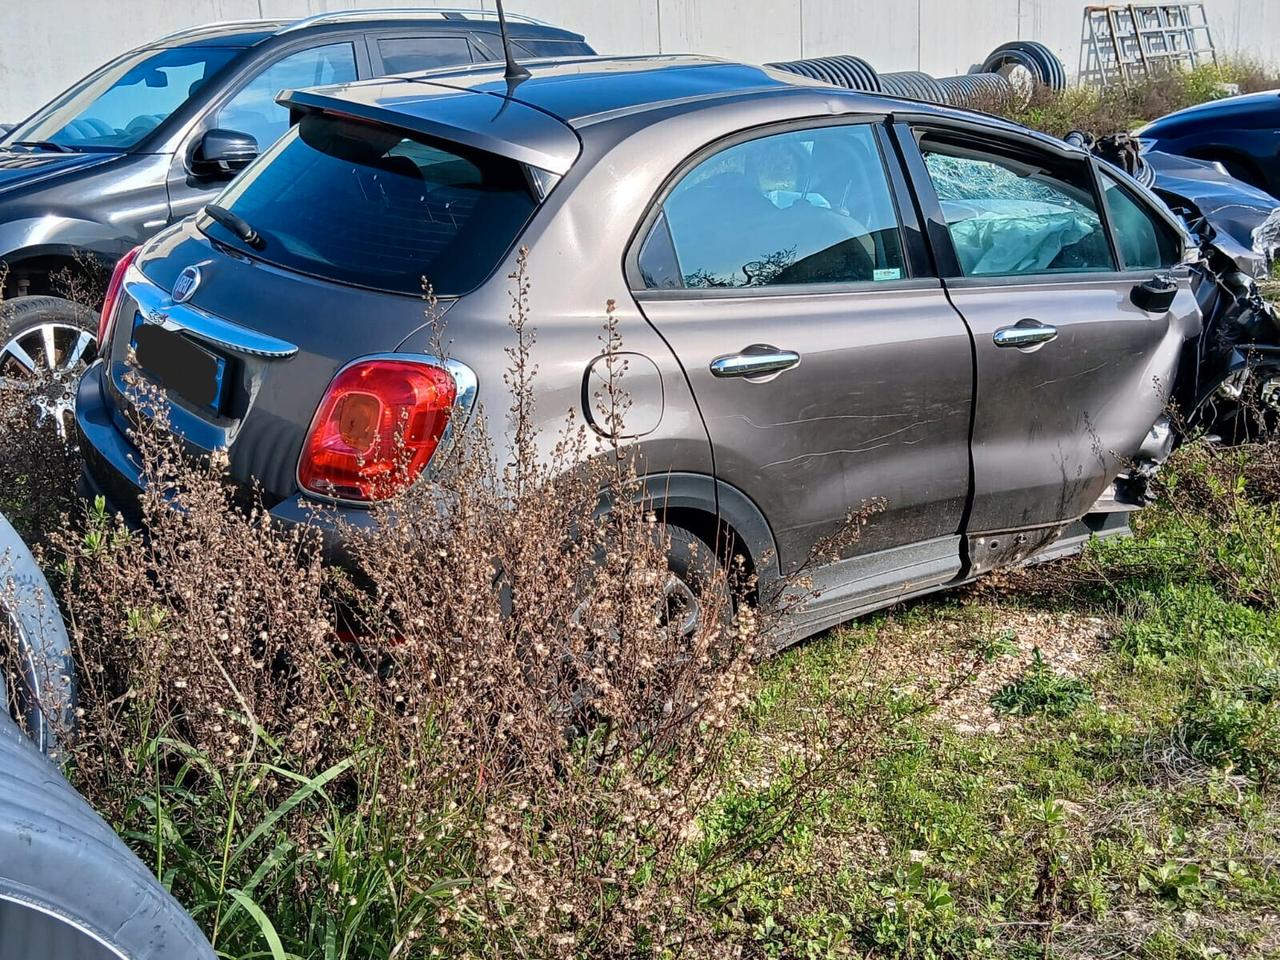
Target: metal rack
1123 42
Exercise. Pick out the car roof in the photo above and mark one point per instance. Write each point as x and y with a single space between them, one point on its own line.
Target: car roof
248 33
583 90
542 119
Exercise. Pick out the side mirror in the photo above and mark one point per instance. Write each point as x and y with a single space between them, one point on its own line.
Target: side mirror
1156 295
223 154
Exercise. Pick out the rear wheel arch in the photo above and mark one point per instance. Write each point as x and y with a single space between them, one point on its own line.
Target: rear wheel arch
718 514
68 272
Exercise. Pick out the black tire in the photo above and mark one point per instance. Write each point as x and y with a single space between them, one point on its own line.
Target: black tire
1042 62
28 325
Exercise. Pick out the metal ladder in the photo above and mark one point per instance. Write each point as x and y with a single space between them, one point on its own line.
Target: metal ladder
1124 42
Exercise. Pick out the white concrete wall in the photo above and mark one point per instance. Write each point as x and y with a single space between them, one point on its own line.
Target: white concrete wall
47 44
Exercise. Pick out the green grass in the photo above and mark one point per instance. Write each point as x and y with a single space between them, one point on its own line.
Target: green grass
1122 807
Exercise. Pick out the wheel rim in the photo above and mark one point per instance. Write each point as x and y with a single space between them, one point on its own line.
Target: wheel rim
46 361
682 606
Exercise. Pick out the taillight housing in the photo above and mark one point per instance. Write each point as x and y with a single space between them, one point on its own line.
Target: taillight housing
378 426
112 301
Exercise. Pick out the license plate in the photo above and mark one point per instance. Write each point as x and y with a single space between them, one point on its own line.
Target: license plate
179 365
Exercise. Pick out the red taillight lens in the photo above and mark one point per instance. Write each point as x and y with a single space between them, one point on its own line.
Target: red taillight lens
112 302
377 427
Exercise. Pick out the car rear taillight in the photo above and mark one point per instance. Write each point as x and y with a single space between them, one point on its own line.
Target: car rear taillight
112 302
377 428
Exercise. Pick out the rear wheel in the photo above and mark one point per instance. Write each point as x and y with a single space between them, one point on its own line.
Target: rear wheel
697 588
45 345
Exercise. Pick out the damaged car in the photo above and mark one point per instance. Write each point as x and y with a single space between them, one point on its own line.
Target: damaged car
1239 134
1229 386
826 299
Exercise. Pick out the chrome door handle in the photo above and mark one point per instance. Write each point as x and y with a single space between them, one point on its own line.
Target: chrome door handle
1027 333
757 360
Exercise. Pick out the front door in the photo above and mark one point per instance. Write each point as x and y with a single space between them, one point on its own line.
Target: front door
1071 374
831 374
253 110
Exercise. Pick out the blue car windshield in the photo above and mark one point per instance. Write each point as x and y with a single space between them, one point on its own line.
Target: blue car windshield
114 108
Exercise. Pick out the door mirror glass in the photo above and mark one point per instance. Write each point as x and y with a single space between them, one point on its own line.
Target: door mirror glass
223 153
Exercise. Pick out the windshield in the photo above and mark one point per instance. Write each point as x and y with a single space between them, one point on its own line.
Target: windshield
378 207
114 108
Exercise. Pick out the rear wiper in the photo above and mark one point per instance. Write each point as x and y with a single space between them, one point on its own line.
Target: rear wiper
44 145
236 224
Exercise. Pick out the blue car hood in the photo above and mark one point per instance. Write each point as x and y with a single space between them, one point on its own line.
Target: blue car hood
1234 208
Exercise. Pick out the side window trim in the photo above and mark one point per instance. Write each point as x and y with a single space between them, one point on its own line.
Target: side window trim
908 135
897 181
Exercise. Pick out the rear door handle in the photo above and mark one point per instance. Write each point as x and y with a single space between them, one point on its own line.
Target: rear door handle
757 360
1025 334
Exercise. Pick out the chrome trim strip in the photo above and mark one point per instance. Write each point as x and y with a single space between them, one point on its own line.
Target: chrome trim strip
157 307
466 386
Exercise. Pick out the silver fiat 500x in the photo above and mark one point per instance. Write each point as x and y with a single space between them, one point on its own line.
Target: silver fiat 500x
827 298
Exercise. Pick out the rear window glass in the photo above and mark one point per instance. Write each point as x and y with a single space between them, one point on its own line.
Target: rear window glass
377 207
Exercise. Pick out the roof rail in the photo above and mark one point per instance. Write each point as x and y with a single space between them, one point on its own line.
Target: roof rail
215 25
408 13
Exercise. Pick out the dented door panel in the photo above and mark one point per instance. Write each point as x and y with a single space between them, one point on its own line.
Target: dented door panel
1055 423
877 409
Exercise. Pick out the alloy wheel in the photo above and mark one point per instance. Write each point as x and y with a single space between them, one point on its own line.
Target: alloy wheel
46 361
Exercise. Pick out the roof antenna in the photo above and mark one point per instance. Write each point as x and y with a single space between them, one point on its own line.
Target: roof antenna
515 73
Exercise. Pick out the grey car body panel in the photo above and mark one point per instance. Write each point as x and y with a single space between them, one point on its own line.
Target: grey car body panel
1055 426
866 416
68 886
1234 208
880 407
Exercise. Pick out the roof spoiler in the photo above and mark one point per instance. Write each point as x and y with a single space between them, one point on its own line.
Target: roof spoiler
483 121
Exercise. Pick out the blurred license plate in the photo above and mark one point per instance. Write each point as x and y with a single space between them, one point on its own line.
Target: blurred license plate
179 365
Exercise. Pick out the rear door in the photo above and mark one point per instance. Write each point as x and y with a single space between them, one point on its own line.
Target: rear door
787 276
1071 374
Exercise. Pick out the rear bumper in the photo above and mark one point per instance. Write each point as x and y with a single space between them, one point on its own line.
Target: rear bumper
113 470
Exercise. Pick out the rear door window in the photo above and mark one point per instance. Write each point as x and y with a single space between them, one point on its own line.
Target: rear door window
802 207
378 207
1145 241
1017 214
407 54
